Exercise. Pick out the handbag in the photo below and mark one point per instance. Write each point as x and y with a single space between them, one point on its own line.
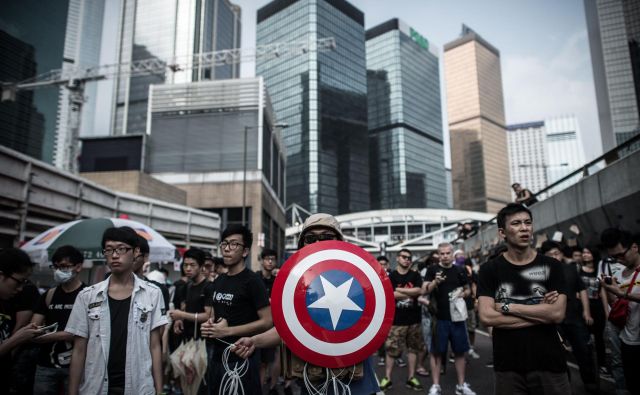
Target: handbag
620 308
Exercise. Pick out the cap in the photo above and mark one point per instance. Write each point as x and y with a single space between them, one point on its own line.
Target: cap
320 220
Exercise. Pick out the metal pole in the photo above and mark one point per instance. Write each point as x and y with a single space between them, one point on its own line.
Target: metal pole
244 177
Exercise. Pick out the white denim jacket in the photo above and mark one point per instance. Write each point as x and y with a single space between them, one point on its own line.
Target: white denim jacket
90 319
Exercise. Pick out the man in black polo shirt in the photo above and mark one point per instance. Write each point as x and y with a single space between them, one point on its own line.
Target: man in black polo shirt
522 296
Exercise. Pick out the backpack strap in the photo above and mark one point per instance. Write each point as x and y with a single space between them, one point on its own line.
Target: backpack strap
49 296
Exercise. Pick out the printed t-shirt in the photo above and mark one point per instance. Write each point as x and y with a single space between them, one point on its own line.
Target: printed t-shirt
407 310
534 348
455 277
630 334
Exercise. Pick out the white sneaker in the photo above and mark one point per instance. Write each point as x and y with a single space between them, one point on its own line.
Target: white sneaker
435 390
464 389
473 354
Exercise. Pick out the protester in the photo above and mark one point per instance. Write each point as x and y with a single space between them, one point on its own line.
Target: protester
448 282
384 262
472 307
522 296
406 331
117 326
316 228
15 269
54 307
240 307
589 275
625 286
523 195
428 310
141 266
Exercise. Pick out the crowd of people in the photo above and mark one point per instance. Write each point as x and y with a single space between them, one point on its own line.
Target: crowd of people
118 336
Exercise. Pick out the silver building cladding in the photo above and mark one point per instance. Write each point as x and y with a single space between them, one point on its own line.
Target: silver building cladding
405 119
322 98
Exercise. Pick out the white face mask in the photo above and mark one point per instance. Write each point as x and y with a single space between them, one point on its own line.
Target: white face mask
63 276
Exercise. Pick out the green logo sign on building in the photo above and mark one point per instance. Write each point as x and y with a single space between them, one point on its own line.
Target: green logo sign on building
417 37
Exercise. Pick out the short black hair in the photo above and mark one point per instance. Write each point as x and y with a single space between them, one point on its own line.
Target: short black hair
405 250
14 260
70 252
549 245
208 256
196 254
217 261
163 270
612 236
514 184
268 252
143 244
123 234
511 209
235 229
382 258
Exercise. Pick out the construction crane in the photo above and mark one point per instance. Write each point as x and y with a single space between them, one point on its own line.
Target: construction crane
74 79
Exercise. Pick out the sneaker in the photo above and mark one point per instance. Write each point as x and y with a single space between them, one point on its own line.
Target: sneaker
464 389
473 354
385 384
381 361
435 390
489 364
414 384
400 363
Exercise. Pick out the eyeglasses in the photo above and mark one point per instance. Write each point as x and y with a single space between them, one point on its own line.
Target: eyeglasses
312 238
620 255
233 245
61 267
119 250
408 257
19 281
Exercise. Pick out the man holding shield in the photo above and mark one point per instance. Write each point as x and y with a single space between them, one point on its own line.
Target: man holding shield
317 228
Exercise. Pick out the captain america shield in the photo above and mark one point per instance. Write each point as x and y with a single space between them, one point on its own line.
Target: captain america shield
332 304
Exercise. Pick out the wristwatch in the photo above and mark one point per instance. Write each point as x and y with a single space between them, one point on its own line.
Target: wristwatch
505 308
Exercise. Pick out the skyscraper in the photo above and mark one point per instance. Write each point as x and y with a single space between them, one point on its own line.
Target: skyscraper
103 32
405 121
322 96
475 104
614 40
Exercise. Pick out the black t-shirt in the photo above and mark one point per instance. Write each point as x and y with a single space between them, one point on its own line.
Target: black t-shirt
268 282
407 310
455 277
471 279
237 299
165 294
574 284
525 349
56 354
179 293
119 312
195 299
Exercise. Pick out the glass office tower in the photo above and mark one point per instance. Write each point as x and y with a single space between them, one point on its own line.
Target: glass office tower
323 99
405 121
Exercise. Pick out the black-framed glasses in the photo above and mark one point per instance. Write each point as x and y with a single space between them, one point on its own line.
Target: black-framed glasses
20 281
407 257
233 245
312 238
119 250
620 255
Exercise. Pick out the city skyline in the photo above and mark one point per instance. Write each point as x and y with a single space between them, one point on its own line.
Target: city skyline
544 47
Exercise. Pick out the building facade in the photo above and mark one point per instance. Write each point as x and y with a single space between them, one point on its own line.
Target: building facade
543 152
614 40
103 32
218 141
405 121
31 43
475 105
322 96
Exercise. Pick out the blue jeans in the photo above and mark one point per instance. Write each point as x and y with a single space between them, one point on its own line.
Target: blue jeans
612 336
48 381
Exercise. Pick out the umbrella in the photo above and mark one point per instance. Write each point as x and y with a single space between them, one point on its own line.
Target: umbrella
86 236
189 363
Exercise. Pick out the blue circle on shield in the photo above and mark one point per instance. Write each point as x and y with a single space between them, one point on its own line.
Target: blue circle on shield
335 300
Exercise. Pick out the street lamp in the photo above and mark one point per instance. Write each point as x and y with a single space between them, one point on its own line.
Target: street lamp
280 125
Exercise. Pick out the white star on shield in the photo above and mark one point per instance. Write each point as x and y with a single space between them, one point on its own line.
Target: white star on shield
335 299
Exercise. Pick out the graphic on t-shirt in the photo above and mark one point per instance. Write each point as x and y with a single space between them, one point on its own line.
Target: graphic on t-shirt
5 327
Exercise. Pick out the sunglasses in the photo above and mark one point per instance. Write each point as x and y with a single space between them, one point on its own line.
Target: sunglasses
311 238
620 255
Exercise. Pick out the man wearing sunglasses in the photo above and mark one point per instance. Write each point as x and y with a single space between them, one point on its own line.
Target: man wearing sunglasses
117 326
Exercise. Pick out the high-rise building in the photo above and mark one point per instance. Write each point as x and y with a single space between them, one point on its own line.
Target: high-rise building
32 43
220 143
542 152
614 39
103 32
475 105
405 121
322 96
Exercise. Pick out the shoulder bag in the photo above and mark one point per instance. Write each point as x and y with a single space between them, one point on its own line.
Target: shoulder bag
620 308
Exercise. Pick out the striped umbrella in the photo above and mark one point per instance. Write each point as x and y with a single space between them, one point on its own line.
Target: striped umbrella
86 236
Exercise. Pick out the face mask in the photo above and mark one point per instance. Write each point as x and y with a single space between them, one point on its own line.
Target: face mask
62 276
460 260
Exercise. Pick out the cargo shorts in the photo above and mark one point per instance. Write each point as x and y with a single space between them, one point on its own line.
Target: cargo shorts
404 337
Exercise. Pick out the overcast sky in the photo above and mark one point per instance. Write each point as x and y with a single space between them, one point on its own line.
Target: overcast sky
546 66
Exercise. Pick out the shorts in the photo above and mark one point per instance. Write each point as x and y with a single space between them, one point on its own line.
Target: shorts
404 337
472 321
454 332
268 355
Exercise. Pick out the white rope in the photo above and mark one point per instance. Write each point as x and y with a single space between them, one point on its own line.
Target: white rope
339 387
231 383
